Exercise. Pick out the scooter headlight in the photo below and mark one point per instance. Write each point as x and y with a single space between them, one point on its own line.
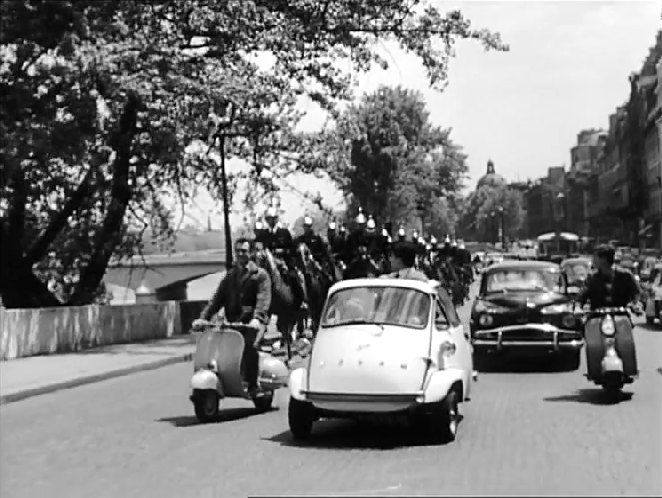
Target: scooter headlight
608 327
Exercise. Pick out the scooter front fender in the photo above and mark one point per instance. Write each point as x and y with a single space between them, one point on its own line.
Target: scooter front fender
206 379
611 364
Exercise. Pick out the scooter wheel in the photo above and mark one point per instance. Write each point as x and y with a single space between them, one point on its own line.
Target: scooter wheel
205 404
263 403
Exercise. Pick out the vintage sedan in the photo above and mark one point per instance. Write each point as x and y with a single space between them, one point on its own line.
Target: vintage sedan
524 307
652 295
385 346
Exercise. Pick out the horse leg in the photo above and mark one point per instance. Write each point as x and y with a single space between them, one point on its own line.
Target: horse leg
283 326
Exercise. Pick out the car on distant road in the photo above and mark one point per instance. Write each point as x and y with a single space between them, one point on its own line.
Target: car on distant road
523 307
385 347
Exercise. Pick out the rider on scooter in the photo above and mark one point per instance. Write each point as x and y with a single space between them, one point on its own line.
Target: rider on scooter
609 285
245 293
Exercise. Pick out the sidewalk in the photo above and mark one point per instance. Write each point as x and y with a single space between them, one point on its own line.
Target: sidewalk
32 376
25 377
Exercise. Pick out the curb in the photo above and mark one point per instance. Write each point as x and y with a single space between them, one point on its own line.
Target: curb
90 379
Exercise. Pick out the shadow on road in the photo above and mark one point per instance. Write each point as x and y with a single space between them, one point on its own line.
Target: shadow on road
352 435
514 364
227 415
591 396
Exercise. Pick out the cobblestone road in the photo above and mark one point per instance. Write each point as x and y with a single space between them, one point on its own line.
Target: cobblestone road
537 432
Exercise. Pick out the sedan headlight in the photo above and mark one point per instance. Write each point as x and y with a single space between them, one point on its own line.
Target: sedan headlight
485 320
608 327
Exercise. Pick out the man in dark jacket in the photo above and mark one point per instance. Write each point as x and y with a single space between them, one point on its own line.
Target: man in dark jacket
609 285
403 261
245 294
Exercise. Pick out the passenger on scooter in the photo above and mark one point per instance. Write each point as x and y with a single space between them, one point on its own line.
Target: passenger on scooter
245 294
610 285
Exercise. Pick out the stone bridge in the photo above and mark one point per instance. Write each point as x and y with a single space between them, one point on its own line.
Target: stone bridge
164 277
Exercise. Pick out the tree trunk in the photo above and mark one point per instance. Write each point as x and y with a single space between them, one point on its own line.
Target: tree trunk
108 237
59 222
19 286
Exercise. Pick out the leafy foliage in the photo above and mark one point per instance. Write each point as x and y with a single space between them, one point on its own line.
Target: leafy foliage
481 214
391 161
102 100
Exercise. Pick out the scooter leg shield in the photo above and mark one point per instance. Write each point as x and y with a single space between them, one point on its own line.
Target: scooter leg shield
595 349
625 346
206 379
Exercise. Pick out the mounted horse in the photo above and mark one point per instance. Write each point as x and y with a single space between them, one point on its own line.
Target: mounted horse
284 303
318 281
363 266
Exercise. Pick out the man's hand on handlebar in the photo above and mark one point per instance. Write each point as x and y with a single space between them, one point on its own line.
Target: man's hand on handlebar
200 324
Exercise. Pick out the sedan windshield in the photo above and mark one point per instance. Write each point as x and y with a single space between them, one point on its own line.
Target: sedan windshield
378 305
576 272
524 280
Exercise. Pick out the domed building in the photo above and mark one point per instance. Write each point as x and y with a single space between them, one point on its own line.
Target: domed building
491 178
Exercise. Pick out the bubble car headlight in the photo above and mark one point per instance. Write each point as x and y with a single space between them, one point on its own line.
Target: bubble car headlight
608 327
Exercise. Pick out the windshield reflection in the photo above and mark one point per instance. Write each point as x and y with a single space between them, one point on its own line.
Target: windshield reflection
378 305
524 280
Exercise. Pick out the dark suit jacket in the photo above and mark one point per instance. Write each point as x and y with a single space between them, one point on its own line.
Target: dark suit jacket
244 296
624 289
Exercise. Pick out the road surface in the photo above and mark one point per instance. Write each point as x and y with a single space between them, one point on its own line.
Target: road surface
531 431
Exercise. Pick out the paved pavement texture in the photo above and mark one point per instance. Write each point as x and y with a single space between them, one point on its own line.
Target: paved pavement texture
527 430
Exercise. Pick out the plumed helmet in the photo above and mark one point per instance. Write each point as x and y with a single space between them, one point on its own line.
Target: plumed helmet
421 241
307 221
385 232
454 243
433 241
332 225
371 225
461 245
360 219
447 240
402 232
272 212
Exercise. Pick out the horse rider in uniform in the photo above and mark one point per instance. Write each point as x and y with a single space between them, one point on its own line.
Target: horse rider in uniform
318 249
278 240
245 294
357 241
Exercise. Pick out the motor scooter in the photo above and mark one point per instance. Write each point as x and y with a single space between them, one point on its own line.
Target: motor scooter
611 358
217 370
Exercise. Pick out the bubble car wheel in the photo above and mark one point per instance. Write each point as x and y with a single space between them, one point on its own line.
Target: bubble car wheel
300 415
445 419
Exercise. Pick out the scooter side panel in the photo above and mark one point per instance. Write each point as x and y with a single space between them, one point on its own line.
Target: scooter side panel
594 348
625 345
226 347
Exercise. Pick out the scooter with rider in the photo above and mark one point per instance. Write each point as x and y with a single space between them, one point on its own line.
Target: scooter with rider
227 360
610 350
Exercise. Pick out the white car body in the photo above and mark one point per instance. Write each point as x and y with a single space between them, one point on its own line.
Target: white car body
385 368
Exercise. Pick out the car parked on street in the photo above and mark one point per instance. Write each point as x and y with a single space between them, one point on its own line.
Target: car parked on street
523 307
385 346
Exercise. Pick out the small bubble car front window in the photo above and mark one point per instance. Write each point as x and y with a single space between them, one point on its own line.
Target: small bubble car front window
378 305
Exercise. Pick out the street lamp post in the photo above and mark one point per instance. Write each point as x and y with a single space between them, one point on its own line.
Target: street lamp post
223 131
502 235
560 198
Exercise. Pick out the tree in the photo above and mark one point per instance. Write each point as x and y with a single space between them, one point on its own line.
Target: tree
102 99
481 214
390 160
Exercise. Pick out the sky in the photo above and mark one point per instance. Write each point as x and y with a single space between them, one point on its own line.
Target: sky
567 70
